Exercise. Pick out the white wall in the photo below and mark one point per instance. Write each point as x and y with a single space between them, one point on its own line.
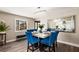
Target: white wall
10 20
72 38
44 21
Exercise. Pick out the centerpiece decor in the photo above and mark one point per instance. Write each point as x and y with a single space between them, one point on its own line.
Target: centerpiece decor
41 26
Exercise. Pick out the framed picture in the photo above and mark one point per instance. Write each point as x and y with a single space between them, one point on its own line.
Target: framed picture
20 25
66 24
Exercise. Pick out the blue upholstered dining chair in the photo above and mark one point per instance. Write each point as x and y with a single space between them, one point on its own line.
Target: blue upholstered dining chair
50 41
31 40
49 29
31 30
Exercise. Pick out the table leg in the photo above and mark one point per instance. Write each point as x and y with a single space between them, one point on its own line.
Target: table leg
40 46
5 39
1 39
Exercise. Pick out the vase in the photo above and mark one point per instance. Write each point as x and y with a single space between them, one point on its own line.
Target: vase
40 31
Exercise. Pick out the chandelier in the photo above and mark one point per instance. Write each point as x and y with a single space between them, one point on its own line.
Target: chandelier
40 12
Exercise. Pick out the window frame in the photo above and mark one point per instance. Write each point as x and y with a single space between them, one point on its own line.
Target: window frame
19 25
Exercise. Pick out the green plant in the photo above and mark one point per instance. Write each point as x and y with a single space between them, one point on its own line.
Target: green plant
3 27
41 26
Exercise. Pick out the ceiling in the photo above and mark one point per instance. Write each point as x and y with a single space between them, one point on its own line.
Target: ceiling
24 11
33 11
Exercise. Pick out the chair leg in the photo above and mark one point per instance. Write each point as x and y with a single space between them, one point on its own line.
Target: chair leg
49 49
27 46
54 47
56 44
27 49
32 48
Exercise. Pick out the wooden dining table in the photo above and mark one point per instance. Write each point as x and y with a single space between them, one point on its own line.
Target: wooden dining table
41 36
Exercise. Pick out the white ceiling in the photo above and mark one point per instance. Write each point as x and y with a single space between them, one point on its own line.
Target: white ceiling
24 11
30 11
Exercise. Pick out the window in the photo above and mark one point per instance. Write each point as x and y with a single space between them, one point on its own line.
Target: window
20 25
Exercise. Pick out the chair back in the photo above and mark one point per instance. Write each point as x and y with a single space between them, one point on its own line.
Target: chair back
48 29
29 37
53 37
31 30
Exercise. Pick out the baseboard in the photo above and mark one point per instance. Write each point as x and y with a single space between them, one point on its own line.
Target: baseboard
64 42
11 40
68 43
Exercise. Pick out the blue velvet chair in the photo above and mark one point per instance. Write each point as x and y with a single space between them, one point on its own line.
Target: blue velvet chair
49 41
31 40
31 30
49 29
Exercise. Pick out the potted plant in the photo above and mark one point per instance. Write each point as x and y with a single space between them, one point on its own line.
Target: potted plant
3 27
41 26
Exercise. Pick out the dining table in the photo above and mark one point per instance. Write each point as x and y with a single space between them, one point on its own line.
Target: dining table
41 36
